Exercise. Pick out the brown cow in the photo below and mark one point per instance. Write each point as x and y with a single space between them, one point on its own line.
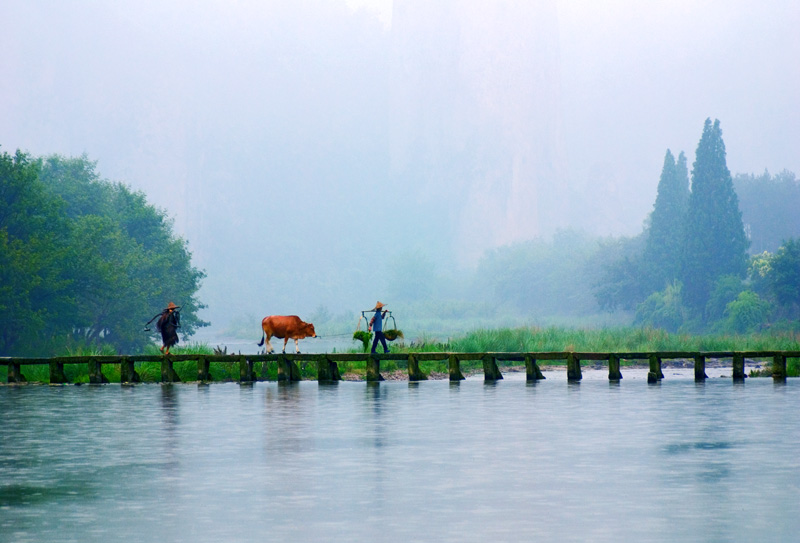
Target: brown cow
286 328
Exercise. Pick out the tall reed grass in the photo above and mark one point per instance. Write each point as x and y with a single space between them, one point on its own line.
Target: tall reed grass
561 339
557 339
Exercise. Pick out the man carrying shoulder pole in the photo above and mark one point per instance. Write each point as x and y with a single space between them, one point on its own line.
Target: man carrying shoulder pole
376 325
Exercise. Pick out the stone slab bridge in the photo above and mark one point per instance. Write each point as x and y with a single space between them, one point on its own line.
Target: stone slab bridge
328 364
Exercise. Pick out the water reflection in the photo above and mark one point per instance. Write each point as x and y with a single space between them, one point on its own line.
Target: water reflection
376 396
287 428
170 423
513 460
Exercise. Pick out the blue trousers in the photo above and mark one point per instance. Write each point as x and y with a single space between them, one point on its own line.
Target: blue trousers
379 336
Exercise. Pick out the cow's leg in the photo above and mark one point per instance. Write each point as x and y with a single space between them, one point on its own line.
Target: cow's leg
268 347
296 346
285 341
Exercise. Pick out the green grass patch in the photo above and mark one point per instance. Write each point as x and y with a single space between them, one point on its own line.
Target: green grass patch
556 339
189 348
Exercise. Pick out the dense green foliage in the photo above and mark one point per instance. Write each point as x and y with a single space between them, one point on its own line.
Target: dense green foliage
784 278
84 261
714 244
748 312
663 309
768 297
34 256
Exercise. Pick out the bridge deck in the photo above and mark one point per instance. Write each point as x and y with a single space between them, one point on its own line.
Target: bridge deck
328 369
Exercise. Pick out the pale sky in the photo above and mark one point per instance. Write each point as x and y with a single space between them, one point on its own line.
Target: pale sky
381 8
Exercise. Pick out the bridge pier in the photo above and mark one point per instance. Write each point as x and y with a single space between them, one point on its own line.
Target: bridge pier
327 370
532 371
287 370
700 368
655 374
127 371
168 374
414 373
613 368
455 368
779 368
203 369
15 373
96 376
490 370
57 376
738 367
374 369
573 368
245 370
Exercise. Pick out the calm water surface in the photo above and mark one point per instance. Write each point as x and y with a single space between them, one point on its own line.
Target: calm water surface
395 461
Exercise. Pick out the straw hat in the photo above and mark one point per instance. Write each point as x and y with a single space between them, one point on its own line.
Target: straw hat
378 306
172 305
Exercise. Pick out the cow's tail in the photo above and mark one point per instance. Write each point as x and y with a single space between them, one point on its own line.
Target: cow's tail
263 335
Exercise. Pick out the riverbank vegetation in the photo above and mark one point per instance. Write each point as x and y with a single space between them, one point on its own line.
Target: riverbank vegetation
555 339
84 262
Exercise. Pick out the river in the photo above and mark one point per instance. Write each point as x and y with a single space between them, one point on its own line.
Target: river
400 461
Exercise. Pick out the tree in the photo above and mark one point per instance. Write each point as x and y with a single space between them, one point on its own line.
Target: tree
34 239
784 277
663 309
127 263
662 254
84 260
747 313
715 243
726 289
758 273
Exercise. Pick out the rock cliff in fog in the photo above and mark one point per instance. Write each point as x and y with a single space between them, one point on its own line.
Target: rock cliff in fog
474 117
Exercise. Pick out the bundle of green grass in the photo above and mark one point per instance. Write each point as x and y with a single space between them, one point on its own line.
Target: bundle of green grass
392 334
363 337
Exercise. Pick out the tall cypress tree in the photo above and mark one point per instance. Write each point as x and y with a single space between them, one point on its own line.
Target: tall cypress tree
662 252
682 175
715 243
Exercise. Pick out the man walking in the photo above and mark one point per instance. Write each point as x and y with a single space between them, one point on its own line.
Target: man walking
376 324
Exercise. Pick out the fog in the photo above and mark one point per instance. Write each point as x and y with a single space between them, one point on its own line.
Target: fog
315 153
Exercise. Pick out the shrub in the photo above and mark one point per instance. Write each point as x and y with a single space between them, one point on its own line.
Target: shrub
662 309
747 313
